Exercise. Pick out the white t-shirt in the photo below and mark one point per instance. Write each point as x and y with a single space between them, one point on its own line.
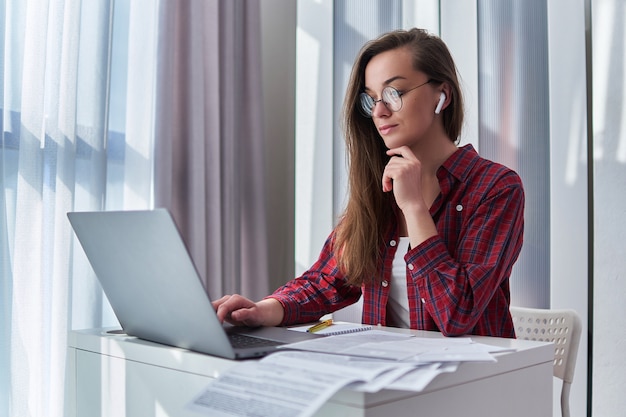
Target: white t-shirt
398 304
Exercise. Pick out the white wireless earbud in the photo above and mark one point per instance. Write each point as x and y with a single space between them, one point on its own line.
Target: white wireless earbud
442 99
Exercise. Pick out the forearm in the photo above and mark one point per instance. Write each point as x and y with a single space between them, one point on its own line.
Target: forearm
420 225
271 311
312 295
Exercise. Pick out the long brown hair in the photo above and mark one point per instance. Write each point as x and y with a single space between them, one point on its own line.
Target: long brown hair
370 213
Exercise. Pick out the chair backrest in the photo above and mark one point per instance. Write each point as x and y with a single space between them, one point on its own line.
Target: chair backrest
561 327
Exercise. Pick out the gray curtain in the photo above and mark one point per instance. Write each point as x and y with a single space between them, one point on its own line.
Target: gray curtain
208 142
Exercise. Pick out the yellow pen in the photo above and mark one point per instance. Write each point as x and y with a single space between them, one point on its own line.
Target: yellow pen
319 326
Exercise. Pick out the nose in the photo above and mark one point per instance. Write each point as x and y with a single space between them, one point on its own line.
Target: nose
380 109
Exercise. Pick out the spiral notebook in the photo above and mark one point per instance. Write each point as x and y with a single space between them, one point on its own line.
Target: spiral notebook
336 328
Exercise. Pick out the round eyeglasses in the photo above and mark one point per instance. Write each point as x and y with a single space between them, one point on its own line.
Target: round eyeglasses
391 98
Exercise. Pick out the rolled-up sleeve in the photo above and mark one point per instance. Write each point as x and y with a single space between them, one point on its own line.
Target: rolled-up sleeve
320 290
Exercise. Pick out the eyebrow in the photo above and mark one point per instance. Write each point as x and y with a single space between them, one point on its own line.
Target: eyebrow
387 82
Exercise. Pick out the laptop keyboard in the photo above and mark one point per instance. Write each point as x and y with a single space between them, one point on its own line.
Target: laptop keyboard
243 341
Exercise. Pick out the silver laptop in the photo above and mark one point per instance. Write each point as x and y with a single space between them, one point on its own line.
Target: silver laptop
154 289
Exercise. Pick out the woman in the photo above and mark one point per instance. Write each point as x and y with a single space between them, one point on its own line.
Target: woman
431 230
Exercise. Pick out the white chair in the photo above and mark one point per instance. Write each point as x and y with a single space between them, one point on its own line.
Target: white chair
561 327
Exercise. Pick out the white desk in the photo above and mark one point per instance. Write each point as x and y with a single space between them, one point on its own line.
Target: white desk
118 375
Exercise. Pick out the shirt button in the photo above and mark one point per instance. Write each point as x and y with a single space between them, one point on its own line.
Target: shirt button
411 267
459 207
393 243
385 283
423 301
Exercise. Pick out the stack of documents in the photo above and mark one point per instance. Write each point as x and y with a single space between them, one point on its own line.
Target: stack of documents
301 379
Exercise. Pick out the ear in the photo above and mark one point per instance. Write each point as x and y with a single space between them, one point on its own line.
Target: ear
442 99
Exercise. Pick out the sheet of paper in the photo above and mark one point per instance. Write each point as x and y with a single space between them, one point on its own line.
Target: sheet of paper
287 384
450 350
332 364
384 380
457 353
297 381
419 379
351 343
263 389
400 347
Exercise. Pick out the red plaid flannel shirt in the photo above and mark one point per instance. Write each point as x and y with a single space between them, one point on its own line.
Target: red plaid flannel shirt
458 281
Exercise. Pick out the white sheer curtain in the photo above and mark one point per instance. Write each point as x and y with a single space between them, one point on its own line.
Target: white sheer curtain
73 138
90 91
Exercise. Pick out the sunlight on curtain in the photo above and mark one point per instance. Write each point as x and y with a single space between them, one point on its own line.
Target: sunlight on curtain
66 145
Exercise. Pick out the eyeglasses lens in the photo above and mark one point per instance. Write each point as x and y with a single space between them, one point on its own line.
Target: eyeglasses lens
391 98
367 104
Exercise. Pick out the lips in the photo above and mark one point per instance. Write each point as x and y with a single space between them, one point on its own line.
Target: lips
386 129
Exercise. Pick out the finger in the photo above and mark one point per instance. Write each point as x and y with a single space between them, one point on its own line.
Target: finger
217 303
234 308
222 312
245 316
401 152
389 174
387 182
225 306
